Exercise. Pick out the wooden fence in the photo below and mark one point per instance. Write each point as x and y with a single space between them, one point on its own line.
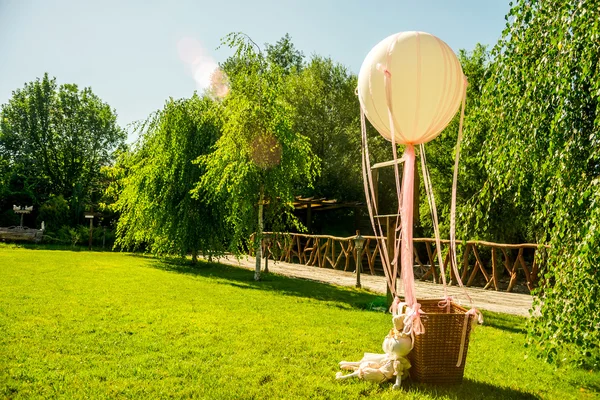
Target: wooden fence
485 264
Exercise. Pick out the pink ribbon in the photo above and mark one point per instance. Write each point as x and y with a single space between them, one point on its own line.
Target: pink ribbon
394 307
477 314
412 322
412 319
446 303
387 81
479 317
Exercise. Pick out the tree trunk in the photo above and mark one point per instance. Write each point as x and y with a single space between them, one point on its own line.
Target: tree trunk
259 234
266 262
194 256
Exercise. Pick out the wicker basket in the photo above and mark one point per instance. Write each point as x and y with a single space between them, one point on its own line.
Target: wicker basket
435 353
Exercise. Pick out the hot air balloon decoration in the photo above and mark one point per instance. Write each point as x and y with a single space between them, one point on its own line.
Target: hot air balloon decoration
410 86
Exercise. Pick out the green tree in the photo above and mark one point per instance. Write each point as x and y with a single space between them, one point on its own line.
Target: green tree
326 110
54 212
540 116
259 158
152 183
285 55
53 141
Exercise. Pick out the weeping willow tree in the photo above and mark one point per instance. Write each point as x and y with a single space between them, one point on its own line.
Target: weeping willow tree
259 160
154 180
540 120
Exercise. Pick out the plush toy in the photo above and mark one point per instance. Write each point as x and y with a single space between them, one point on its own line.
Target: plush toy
383 367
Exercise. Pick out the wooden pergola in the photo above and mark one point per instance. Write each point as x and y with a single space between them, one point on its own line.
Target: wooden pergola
311 204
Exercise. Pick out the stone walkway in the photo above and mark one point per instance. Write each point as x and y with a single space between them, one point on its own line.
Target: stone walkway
491 300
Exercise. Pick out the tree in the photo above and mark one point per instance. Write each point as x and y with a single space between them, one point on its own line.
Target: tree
152 183
327 111
259 158
285 55
53 141
540 116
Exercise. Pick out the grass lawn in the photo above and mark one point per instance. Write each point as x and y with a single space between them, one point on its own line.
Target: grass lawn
110 325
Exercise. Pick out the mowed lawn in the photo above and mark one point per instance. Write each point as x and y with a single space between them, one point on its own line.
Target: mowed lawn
113 325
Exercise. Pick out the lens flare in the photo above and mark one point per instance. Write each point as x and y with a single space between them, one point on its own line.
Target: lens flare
199 63
219 83
266 151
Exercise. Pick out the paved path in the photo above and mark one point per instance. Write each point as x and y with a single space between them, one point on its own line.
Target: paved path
509 303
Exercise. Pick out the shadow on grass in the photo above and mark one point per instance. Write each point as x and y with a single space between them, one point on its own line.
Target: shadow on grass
244 279
470 389
505 322
54 246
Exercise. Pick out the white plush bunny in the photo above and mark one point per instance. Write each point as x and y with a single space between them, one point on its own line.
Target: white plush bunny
383 367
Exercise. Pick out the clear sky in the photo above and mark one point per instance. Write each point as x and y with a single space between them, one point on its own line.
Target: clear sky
136 53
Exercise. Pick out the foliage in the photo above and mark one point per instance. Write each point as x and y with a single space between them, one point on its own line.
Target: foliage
111 182
285 55
326 112
259 154
54 213
53 141
540 117
74 238
108 325
152 183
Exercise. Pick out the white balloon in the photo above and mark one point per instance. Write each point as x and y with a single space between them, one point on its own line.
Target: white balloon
426 85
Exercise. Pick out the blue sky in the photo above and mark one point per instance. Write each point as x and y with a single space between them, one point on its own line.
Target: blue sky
130 51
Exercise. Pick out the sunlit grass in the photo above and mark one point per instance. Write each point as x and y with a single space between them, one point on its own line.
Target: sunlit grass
110 325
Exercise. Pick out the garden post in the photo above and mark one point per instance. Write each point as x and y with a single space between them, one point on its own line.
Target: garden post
91 227
90 216
359 243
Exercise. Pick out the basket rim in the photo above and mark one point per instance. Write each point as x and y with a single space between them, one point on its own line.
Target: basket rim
436 301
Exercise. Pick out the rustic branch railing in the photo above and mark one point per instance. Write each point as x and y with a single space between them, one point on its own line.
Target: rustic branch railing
487 264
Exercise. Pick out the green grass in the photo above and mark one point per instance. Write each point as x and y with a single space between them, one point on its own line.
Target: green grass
110 325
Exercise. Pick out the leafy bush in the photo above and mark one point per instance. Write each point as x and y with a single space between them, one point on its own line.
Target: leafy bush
65 235
79 236
54 212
